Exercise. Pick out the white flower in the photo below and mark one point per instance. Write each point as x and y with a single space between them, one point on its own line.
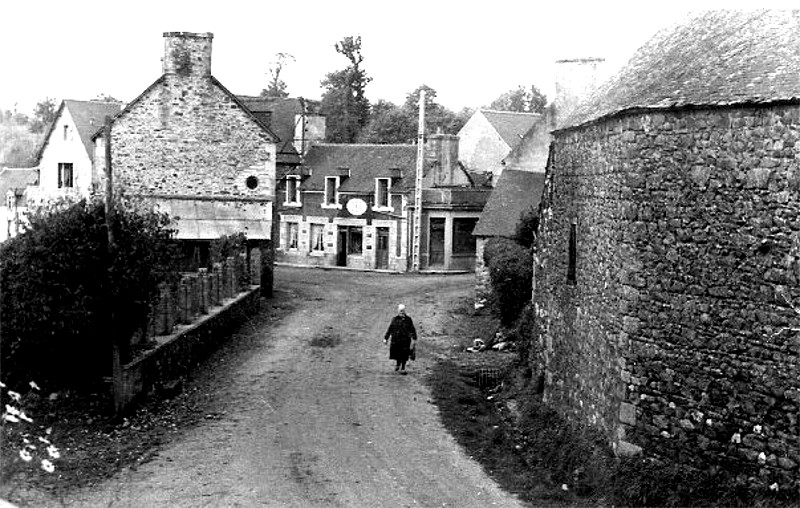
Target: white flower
757 429
762 457
2 384
564 486
736 438
34 385
14 395
53 452
773 487
48 466
10 418
48 431
25 455
12 410
25 417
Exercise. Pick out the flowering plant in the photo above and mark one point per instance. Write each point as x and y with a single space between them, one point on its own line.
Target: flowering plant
29 447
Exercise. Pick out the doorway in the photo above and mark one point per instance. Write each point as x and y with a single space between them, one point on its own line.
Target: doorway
341 251
381 248
436 248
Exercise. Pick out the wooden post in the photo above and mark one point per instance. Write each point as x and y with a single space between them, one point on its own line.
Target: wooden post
116 366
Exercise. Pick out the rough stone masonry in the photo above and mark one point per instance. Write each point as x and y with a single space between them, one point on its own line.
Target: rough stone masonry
679 333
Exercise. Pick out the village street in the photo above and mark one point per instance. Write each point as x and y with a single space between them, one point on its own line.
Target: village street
317 416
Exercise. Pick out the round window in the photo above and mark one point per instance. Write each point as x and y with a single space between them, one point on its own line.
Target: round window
252 182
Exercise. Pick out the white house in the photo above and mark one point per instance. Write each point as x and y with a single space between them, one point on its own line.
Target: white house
14 183
67 152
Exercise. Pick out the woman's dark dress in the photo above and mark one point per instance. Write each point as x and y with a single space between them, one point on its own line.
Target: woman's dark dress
401 331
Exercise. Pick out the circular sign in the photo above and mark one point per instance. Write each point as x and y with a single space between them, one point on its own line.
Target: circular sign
356 206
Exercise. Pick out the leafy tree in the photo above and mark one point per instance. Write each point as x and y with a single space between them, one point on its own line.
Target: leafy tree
437 117
344 102
44 113
521 99
389 123
104 97
276 86
510 271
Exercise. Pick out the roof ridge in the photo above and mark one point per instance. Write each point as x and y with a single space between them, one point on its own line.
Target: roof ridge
510 112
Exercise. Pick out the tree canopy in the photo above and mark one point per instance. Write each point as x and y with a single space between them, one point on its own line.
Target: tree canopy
44 113
521 99
276 86
344 101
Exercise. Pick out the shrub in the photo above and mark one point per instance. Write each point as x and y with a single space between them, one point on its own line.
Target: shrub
510 272
63 299
230 246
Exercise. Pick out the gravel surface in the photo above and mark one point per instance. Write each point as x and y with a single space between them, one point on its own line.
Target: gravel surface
316 416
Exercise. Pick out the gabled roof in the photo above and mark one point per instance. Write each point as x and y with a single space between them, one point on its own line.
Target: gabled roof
714 58
88 117
16 180
365 162
216 83
510 125
279 115
516 192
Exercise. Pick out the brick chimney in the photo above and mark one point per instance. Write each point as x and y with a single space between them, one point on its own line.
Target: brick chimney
187 53
575 80
442 151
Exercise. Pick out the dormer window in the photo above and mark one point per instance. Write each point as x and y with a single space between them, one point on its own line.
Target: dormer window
332 191
292 190
382 186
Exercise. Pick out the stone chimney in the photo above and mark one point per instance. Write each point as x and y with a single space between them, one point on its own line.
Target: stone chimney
187 54
442 152
575 80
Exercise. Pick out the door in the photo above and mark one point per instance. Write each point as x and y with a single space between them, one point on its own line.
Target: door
382 248
341 250
436 248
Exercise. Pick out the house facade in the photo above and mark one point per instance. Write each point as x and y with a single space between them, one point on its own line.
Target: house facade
192 148
489 136
66 157
14 185
352 206
666 276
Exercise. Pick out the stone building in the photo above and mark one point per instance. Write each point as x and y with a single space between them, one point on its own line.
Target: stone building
192 148
14 185
352 206
667 277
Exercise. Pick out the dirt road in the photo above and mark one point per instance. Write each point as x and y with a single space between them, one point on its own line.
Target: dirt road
317 416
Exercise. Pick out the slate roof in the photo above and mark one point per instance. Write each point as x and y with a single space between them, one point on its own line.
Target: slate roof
89 116
16 179
279 115
511 125
713 58
515 193
366 163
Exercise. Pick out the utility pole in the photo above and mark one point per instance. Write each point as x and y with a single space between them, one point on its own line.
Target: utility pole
417 227
111 215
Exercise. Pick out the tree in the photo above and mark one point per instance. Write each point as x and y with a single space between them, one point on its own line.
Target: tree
389 123
344 102
521 99
104 97
277 87
44 113
437 117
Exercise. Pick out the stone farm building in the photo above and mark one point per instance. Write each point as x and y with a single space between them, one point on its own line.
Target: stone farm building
351 205
667 276
189 146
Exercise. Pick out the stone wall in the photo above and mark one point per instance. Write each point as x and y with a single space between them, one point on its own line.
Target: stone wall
677 335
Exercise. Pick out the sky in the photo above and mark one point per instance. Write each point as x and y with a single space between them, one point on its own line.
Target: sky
469 52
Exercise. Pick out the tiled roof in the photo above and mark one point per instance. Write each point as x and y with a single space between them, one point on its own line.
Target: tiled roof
713 58
89 116
279 115
16 179
510 125
365 162
515 193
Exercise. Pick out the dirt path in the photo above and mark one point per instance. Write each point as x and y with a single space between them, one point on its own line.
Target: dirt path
317 416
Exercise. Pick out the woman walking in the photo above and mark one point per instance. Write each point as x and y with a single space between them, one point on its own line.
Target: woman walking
403 338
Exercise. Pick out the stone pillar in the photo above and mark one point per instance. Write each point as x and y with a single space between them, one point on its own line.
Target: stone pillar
217 276
202 280
193 296
267 267
230 265
182 315
255 266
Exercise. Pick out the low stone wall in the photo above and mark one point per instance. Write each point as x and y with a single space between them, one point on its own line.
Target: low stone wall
178 352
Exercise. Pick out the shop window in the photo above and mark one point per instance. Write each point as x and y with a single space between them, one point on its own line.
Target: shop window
317 243
463 241
354 240
293 235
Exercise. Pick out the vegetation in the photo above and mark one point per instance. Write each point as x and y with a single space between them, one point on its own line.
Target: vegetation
521 99
344 101
64 298
276 86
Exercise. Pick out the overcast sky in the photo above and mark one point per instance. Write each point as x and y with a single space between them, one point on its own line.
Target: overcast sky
468 51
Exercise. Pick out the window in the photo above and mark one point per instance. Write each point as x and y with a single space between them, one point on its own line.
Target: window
381 193
332 190
292 190
317 243
294 233
66 133
463 241
354 243
64 175
573 253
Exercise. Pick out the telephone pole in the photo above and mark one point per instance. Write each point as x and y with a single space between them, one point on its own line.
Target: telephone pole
417 227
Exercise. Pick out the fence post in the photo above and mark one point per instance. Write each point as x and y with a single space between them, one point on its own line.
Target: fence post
202 279
255 266
267 267
231 274
217 283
